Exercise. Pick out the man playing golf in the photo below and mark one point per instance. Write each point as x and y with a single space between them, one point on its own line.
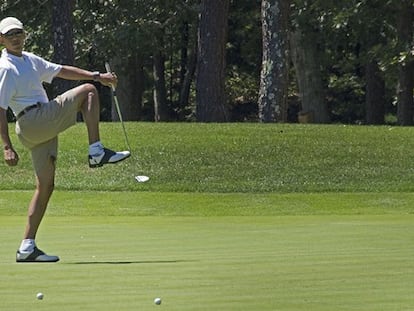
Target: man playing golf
40 120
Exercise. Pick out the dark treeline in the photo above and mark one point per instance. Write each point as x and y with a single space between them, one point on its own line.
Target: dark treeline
317 61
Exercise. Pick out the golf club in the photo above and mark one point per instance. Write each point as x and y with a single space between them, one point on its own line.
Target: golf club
139 178
108 69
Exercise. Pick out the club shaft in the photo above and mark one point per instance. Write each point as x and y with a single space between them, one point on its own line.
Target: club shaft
118 109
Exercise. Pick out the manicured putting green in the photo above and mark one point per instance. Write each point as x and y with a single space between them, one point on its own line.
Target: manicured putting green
213 263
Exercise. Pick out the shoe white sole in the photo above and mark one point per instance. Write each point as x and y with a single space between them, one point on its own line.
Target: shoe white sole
36 256
108 157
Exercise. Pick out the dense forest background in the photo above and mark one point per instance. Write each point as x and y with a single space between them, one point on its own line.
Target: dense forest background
319 61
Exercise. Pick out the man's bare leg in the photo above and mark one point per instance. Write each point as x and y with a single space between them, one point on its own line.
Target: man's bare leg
88 99
45 181
28 251
88 104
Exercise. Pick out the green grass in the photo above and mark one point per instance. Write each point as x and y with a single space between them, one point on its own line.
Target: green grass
215 263
135 203
246 158
235 217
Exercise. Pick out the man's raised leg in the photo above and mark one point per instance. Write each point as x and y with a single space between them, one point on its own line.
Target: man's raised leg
88 99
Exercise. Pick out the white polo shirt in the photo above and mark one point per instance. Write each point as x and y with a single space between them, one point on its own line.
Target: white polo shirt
21 80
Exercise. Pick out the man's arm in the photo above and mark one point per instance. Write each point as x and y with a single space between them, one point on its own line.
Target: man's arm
10 155
75 73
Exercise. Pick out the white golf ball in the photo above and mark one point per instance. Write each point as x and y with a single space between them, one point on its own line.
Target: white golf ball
39 296
157 301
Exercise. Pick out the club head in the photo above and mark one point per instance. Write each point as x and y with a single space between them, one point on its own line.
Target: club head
141 178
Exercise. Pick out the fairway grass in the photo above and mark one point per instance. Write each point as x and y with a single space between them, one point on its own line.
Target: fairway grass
115 203
214 263
233 158
234 217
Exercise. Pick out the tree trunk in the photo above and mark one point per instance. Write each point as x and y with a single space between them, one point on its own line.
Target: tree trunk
405 94
406 67
306 60
375 94
188 78
130 87
188 67
274 80
185 42
210 86
62 28
160 92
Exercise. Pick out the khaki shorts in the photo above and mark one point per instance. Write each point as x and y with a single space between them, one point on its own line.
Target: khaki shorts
38 129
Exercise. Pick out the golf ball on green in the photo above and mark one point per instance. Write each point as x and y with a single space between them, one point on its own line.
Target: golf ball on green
39 296
157 301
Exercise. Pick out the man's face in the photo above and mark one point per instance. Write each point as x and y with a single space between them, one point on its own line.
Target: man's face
13 41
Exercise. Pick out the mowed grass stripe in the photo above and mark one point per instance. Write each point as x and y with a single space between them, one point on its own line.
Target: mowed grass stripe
138 203
215 263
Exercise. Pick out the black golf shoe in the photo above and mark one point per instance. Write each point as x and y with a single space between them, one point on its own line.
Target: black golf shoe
36 256
107 157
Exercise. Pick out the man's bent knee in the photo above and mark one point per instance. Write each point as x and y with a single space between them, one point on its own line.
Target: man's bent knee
83 94
89 87
84 89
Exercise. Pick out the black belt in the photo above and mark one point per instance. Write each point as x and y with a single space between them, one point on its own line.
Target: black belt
27 109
